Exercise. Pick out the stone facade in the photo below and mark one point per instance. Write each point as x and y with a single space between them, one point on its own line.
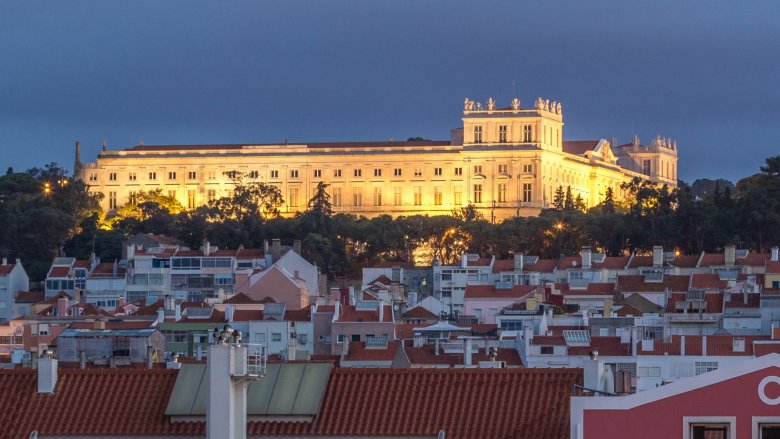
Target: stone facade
505 161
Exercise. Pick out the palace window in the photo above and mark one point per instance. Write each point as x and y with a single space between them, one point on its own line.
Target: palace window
377 172
172 175
132 197
526 192
337 172
502 192
477 193
152 176
437 171
294 196
377 196
192 175
232 174
131 176
112 200
254 174
397 196
528 168
212 175
293 173
317 173
275 174
93 177
172 194
437 198
502 133
112 176
527 133
502 169
477 169
336 196
458 171
191 199
478 134
357 197
418 172
646 167
397 172
457 196
212 195
358 172
418 195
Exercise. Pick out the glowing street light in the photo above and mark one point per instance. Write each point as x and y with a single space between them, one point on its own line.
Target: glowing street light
47 189
558 226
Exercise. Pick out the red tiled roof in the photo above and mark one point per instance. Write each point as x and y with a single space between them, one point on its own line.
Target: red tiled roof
241 298
579 147
349 313
106 269
7 268
610 262
52 300
635 283
542 265
683 261
607 346
466 403
381 279
737 300
59 272
773 267
628 310
713 300
419 312
359 352
593 288
90 309
82 263
548 340
298 315
490 291
311 145
30 296
134 324
760 349
708 281
425 356
164 239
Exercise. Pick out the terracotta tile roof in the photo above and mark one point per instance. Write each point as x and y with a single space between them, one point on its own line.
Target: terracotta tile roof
635 283
59 272
737 300
541 266
713 300
310 145
134 324
247 315
381 279
607 346
682 261
773 267
425 356
90 309
708 281
106 269
754 259
593 288
164 239
419 312
30 296
610 262
359 352
558 329
760 349
6 269
349 313
490 291
628 310
579 147
548 340
240 298
298 315
639 302
52 300
82 263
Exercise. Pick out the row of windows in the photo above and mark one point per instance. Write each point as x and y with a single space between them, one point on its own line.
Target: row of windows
502 133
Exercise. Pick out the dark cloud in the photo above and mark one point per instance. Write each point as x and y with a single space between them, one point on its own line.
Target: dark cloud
705 73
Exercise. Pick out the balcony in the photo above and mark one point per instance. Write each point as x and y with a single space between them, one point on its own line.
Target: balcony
693 318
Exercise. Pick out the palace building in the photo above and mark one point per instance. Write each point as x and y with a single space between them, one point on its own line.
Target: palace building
505 161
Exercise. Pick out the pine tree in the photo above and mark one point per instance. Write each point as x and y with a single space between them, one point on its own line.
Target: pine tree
608 205
559 197
568 203
579 203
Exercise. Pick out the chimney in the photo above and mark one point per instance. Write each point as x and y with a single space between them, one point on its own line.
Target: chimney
169 302
336 310
82 360
149 357
47 372
229 309
206 248
99 324
774 257
530 303
296 274
78 152
607 308
704 345
297 246
227 396
587 257
419 340
291 352
518 261
276 249
160 315
265 246
467 351
177 311
115 269
464 260
121 302
5 261
730 253
682 345
738 344
381 311
130 252
62 306
344 346
658 256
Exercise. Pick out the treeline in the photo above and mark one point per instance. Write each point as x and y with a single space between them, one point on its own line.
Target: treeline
42 212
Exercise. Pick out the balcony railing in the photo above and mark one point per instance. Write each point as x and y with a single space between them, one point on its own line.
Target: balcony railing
248 361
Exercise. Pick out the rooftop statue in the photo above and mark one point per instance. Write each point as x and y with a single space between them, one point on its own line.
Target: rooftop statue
491 104
515 104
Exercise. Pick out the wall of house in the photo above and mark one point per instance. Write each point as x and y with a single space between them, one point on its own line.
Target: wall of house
361 329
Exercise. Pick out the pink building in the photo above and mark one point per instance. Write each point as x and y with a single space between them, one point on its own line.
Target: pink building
276 283
485 301
370 322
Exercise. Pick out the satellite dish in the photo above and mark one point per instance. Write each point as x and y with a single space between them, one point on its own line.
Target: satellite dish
396 307
573 263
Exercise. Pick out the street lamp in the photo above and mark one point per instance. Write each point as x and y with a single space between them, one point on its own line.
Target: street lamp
46 188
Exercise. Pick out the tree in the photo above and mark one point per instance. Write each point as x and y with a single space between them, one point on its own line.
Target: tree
249 200
579 203
468 213
608 205
559 199
320 203
772 167
568 202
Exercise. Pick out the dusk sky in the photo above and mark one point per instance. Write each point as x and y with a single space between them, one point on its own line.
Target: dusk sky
706 73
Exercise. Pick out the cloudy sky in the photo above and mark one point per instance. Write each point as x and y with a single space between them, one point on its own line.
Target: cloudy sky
706 73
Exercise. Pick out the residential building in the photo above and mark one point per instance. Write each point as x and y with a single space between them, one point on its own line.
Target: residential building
13 279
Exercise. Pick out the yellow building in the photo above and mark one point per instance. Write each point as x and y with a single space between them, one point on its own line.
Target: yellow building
505 161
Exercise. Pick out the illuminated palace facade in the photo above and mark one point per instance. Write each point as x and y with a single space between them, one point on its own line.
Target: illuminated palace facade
505 161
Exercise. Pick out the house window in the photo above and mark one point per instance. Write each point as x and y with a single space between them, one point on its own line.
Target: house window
190 199
528 168
418 195
502 192
358 173
437 196
546 350
377 172
526 192
477 169
192 175
293 173
357 197
336 196
768 430
458 171
705 366
131 176
132 197
355 337
397 196
212 195
646 167
397 172
418 172
502 133
527 133
276 336
337 172
317 173
303 338
377 196
457 196
112 200
294 196
254 174
437 172
478 134
172 175
275 174
709 431
152 176
477 193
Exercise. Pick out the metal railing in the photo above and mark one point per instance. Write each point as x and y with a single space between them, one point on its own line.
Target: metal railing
248 360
